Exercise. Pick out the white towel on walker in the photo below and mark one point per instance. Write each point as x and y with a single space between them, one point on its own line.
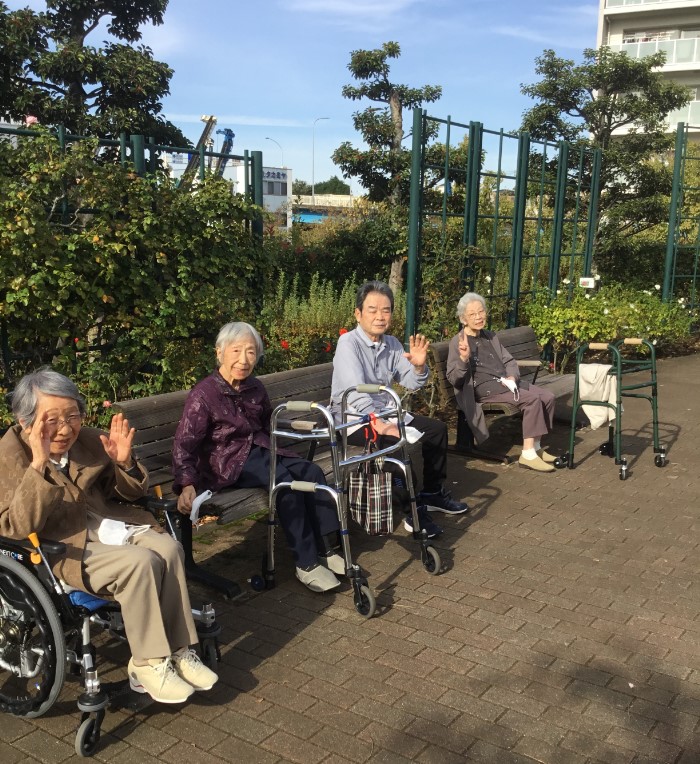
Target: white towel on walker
595 384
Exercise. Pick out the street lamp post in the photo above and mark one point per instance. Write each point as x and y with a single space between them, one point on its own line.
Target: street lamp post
279 147
313 158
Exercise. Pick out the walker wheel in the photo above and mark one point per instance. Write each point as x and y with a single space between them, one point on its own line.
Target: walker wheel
623 472
88 736
431 561
561 461
365 603
257 583
660 460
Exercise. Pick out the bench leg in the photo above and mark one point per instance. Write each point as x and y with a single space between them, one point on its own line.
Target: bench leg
465 444
230 589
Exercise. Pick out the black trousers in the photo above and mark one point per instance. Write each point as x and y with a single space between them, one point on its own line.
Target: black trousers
304 517
433 447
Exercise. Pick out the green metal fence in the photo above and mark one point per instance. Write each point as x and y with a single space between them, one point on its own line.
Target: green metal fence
682 265
144 154
513 215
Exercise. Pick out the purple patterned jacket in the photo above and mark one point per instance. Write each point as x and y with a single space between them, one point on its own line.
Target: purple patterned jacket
218 428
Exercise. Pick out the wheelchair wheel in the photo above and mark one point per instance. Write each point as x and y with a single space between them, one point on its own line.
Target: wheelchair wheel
32 644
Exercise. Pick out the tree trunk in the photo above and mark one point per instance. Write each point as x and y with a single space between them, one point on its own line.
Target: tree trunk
396 274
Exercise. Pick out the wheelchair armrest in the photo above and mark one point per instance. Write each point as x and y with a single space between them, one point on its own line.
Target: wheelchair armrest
57 548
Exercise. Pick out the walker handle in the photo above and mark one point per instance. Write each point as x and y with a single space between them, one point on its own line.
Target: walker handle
632 341
303 485
598 345
300 405
369 388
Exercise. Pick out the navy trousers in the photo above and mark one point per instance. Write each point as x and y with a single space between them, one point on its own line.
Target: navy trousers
305 517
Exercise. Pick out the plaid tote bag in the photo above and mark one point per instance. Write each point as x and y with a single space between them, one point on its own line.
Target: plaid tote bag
370 498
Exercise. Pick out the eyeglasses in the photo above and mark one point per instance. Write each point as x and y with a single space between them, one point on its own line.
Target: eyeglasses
480 314
72 420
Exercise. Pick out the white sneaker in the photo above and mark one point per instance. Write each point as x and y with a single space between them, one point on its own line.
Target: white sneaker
333 561
190 668
318 579
160 680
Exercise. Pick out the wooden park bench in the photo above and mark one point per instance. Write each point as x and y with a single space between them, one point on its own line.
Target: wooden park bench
521 343
156 419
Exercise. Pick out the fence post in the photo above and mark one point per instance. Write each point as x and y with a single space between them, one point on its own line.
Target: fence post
138 154
471 201
257 183
559 207
414 214
594 197
123 144
516 240
666 292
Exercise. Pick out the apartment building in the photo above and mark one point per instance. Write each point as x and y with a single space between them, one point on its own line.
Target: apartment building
642 27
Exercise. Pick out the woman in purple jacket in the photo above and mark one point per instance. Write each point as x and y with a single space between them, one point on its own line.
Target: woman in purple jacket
223 441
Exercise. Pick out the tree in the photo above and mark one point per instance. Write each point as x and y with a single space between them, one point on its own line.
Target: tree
129 296
333 185
49 69
384 167
618 104
301 188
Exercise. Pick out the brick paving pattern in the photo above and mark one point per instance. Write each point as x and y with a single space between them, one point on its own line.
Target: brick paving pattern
565 630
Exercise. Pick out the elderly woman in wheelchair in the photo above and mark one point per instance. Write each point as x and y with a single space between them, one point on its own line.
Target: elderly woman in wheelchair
75 485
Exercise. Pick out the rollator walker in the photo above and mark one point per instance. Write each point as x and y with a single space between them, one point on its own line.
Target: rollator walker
327 432
620 367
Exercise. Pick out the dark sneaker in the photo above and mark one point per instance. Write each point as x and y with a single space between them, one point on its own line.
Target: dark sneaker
442 501
433 529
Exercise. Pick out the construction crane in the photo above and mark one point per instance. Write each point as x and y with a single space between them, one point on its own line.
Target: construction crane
193 163
226 147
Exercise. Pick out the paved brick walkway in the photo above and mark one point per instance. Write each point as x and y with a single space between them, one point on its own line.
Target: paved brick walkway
565 630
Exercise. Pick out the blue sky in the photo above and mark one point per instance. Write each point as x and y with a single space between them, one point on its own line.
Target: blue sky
270 68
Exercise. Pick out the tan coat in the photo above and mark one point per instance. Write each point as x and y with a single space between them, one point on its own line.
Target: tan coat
55 506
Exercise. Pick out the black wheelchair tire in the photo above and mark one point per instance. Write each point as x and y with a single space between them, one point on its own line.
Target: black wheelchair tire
45 617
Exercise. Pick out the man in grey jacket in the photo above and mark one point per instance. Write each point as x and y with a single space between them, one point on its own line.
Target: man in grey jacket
368 355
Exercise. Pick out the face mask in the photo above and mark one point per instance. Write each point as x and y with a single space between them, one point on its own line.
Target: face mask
512 386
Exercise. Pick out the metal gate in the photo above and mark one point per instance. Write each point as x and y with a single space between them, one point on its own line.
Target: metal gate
513 215
683 240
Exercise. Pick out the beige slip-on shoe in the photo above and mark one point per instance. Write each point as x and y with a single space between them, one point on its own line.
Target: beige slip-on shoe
535 464
546 457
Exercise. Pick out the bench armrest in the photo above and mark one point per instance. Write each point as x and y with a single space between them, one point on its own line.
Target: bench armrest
530 364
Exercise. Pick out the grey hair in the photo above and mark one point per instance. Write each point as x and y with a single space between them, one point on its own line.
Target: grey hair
25 397
465 299
235 331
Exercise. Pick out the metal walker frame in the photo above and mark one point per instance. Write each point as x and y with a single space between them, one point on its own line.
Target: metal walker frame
620 366
327 433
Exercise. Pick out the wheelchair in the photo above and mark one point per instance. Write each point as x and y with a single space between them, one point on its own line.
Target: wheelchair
45 633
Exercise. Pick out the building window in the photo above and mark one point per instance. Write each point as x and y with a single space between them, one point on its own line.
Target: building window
270 188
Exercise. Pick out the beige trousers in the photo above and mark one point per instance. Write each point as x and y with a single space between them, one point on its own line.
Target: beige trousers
147 578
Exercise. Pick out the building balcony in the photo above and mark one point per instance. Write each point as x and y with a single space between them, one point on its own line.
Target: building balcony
626 3
680 54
